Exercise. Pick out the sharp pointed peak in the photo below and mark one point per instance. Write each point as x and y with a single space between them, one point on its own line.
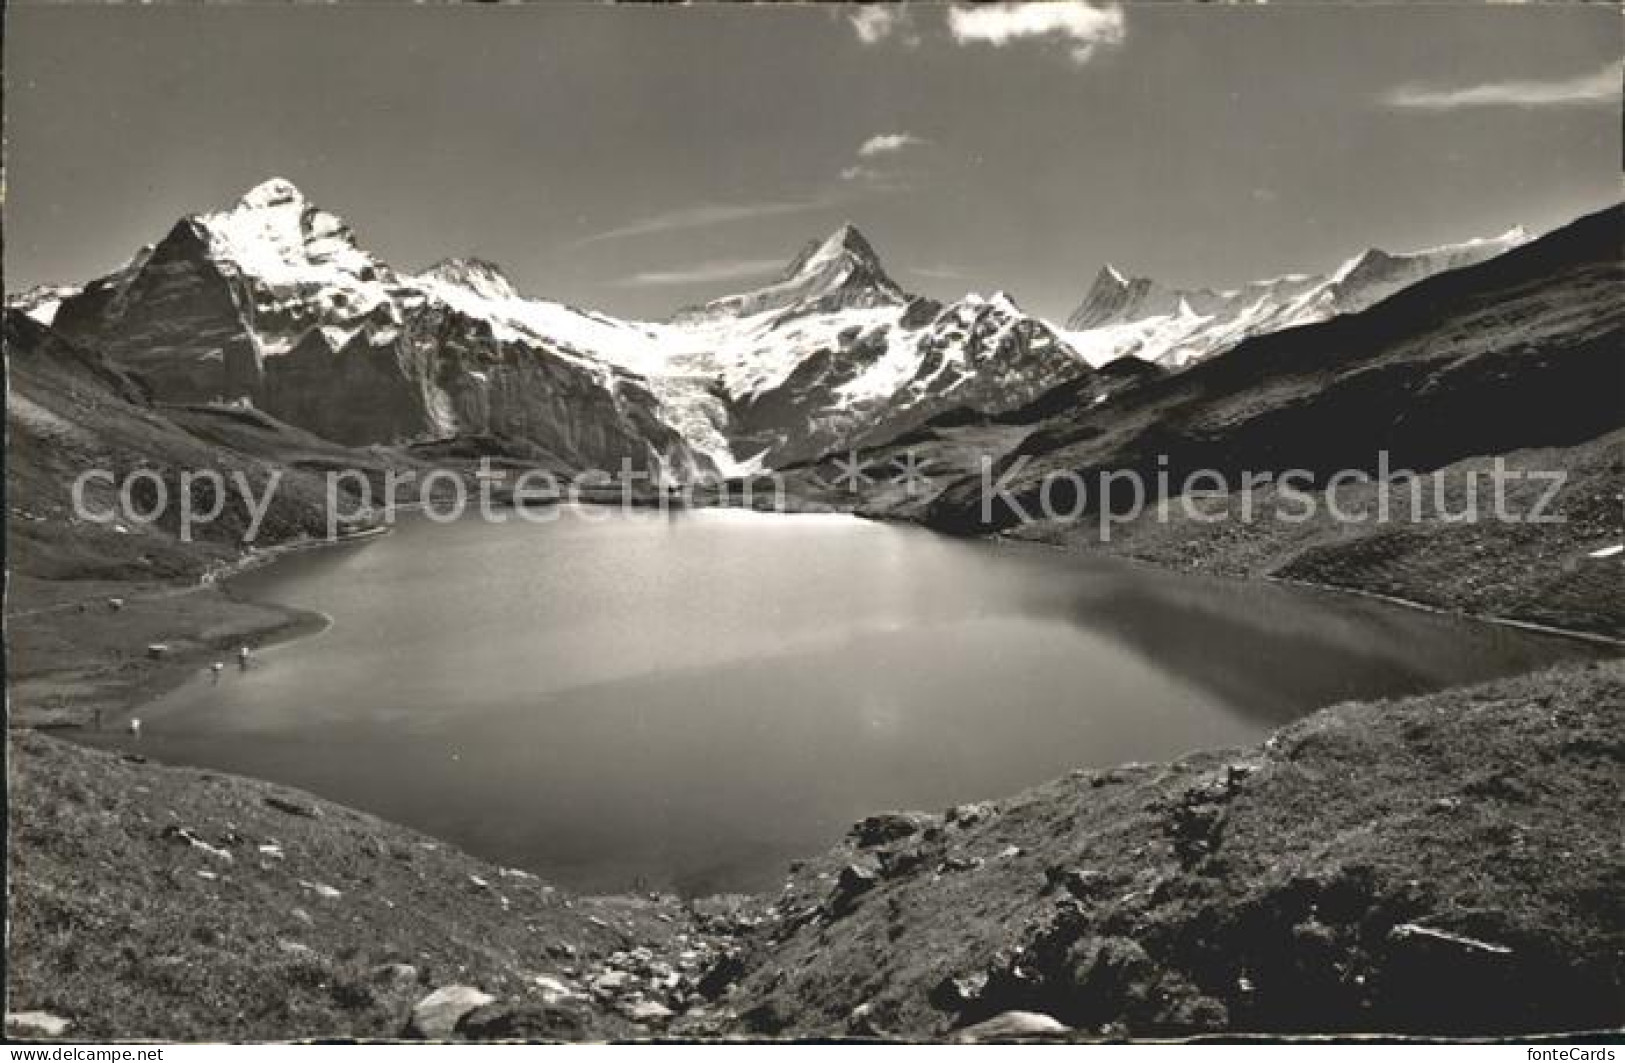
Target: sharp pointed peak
1111 273
848 237
845 241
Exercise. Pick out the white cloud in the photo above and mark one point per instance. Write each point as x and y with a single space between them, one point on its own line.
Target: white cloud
1085 26
1601 87
731 269
704 215
874 23
882 143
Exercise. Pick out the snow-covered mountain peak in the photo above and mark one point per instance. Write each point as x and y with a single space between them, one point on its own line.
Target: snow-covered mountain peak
847 243
1138 316
479 276
274 192
273 233
838 272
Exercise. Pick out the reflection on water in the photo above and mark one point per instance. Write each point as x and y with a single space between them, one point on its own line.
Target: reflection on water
694 702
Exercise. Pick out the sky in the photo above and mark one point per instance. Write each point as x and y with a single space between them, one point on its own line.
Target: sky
638 159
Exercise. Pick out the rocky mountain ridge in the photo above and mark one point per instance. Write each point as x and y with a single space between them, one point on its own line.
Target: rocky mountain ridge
274 300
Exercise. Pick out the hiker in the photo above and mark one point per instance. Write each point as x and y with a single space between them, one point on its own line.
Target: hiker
217 668
135 726
242 658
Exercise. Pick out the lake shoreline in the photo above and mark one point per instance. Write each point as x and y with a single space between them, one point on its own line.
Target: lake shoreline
205 607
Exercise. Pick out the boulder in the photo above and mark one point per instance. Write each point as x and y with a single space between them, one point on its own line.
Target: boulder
648 1013
611 983
957 992
394 975
1077 881
436 1016
553 990
525 1022
889 827
971 814
897 862
293 808
854 881
1013 1026
35 1024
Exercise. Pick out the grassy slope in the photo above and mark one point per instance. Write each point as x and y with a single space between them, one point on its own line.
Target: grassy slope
1251 890
128 930
68 410
1539 573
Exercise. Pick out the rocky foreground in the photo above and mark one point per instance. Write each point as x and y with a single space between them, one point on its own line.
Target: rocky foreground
176 904
1445 864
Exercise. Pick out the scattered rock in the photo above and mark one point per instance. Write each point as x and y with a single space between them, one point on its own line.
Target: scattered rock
1010 852
321 890
896 862
860 1022
158 650
34 1024
611 982
301 916
294 948
889 827
1074 880
213 851
293 808
957 862
648 1013
1013 1026
957 992
436 1016
394 976
553 990
854 881
971 814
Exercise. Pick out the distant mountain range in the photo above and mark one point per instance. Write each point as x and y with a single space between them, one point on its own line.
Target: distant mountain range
1123 316
273 300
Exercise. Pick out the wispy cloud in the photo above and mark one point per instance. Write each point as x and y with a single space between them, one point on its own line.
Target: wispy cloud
706 214
885 143
1586 90
874 171
874 23
713 272
1084 26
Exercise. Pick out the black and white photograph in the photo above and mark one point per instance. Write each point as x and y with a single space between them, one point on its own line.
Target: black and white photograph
1072 521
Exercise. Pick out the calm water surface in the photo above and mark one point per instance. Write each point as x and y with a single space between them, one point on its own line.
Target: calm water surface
692 701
